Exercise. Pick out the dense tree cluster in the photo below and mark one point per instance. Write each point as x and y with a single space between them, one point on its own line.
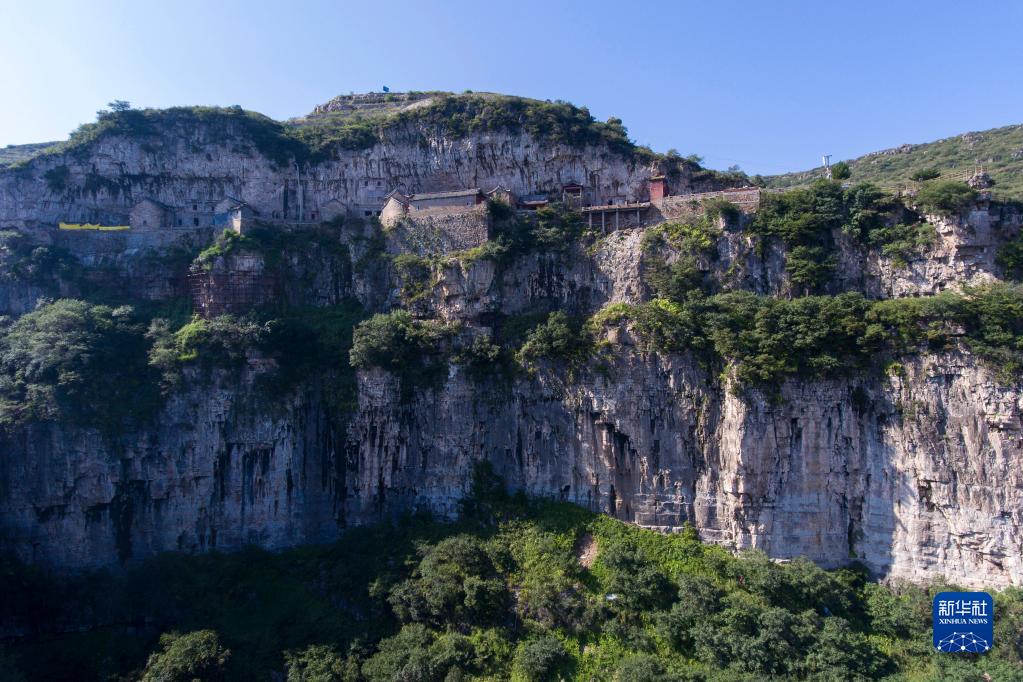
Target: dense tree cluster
768 340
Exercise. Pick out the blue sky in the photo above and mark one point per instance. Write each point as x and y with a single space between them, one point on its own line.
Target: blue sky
769 86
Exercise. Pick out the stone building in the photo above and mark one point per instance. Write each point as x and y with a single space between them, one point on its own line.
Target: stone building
150 215
398 204
462 198
233 214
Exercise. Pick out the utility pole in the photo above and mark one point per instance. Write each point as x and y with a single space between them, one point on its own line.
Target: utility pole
827 166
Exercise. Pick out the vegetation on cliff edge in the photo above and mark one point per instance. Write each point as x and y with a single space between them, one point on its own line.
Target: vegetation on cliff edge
768 340
997 150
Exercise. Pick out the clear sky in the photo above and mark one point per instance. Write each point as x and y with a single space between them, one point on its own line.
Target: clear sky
769 86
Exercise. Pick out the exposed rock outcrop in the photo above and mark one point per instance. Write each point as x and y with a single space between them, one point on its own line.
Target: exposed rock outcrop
916 473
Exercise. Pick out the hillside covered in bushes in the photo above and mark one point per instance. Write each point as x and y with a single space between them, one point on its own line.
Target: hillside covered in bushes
516 588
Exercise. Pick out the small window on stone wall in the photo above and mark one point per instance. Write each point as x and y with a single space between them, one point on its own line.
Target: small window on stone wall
195 221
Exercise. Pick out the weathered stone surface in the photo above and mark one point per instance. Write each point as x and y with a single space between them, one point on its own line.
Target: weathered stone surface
916 474
923 481
218 470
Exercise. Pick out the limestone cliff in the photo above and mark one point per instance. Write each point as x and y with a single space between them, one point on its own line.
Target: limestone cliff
915 472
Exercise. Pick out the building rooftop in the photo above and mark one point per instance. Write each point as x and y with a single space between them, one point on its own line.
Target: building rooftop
446 195
616 207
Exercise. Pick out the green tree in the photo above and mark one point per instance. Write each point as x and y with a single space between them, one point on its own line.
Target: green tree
840 653
456 583
186 658
320 663
416 654
841 171
698 599
558 338
945 197
538 659
78 361
637 582
1010 258
641 668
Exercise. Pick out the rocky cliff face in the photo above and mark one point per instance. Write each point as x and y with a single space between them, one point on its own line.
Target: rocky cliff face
916 472
185 167
918 483
224 468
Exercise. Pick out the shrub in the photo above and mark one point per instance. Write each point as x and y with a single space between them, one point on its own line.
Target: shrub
1010 258
76 361
185 658
558 339
839 651
630 575
553 122
641 668
719 207
483 358
414 273
223 341
397 342
24 260
537 660
841 171
808 266
945 197
223 126
455 584
402 657
768 340
739 618
901 242
554 227
553 600
416 654
804 219
693 244
500 210
890 614
320 663
801 216
925 174
57 178
225 243
993 318
551 228
698 599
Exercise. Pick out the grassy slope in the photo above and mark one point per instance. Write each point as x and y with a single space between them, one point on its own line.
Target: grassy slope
999 151
13 153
